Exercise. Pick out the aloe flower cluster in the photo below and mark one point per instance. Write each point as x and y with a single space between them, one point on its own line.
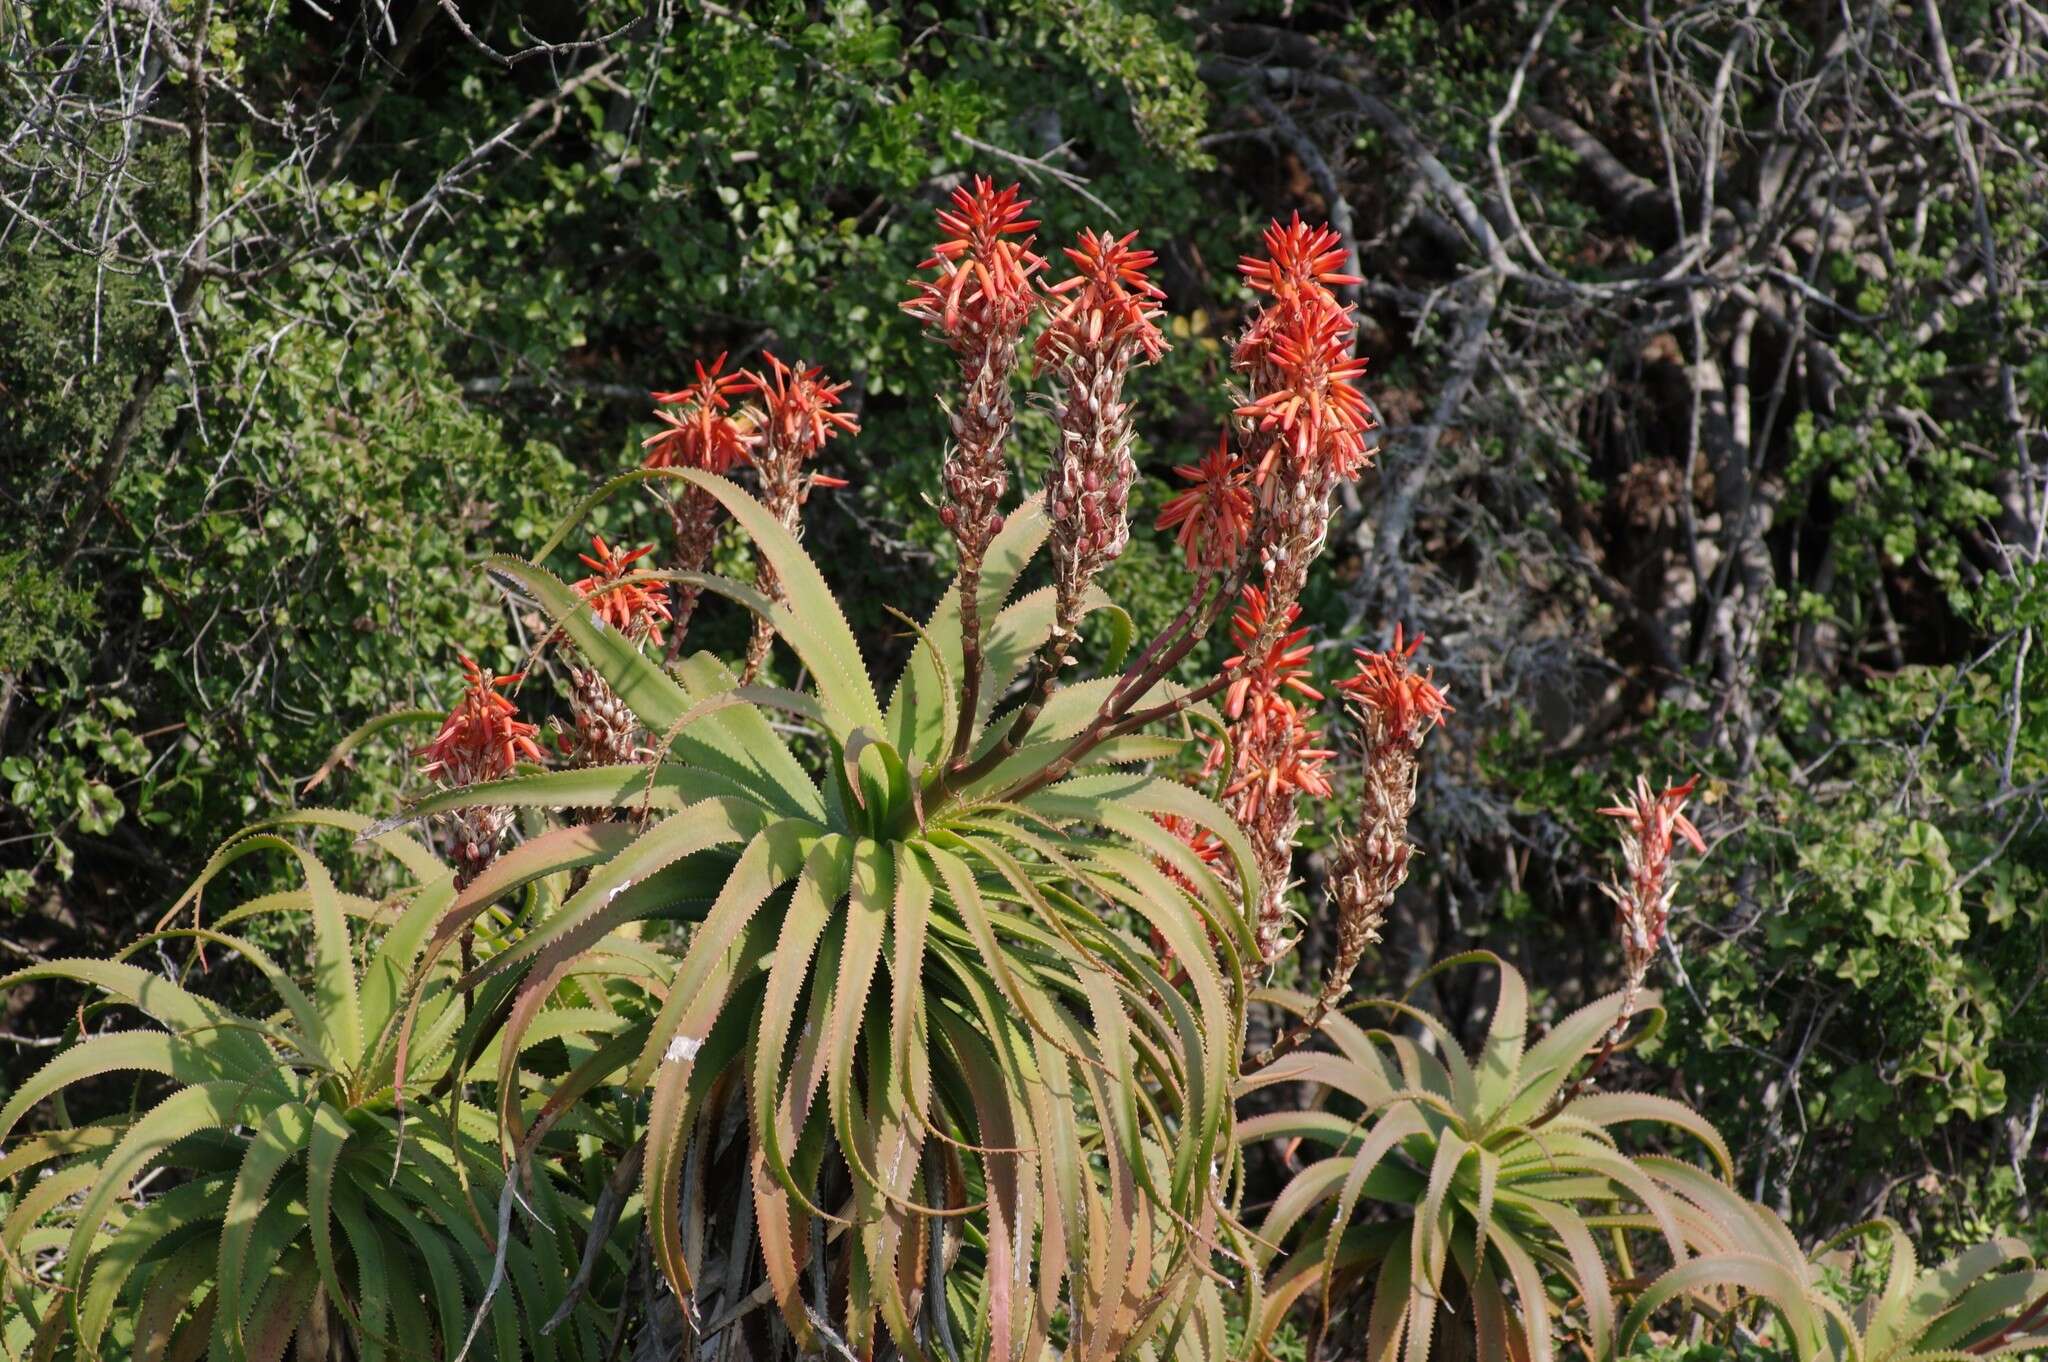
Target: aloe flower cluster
1212 518
481 739
801 416
1271 756
1102 323
1304 424
603 731
1395 708
700 429
1650 823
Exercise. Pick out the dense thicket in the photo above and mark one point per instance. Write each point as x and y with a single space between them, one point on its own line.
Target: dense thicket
1705 337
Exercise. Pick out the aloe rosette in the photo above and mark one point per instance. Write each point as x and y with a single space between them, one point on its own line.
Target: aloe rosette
925 985
1492 1176
269 1184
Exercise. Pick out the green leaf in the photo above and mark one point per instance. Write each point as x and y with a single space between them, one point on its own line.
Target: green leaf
810 621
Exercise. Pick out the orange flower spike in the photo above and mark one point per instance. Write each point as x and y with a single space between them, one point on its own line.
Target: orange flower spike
801 406
1405 704
1654 817
712 388
1282 666
701 436
1109 296
1214 515
482 738
632 608
975 251
1298 258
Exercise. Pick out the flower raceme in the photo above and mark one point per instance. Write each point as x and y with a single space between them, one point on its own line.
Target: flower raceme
1650 823
1398 706
1212 518
984 284
1102 324
802 407
633 608
482 737
1107 303
1268 760
1280 664
802 415
984 291
977 302
700 431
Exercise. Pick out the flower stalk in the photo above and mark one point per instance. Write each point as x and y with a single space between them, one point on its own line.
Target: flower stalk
1650 820
1395 709
700 429
801 416
977 302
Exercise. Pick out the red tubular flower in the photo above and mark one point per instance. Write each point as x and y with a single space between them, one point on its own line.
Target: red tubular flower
1280 665
984 280
1400 706
713 387
1107 304
482 737
1193 835
801 415
1320 415
635 609
702 436
1213 516
1282 761
1299 258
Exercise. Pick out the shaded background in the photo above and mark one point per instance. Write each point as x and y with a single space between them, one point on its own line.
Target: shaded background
1706 338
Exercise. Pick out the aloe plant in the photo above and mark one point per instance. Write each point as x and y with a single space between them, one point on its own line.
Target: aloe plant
949 1051
1987 1301
1493 1174
267 1184
923 990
